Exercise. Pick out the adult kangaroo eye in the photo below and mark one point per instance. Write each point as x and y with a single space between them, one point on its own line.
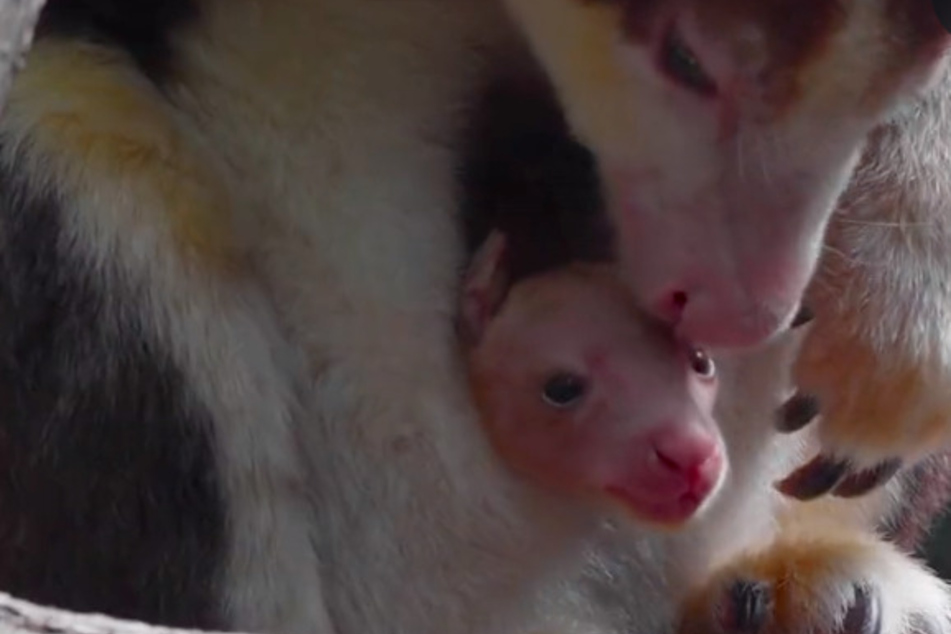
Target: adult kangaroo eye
564 390
702 364
680 63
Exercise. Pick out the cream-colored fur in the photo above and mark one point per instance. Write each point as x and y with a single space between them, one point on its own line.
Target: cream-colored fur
761 194
291 213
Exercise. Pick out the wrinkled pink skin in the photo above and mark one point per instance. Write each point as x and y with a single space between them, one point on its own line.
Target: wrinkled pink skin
641 433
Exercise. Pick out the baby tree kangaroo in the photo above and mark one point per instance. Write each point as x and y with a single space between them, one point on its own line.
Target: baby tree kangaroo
582 393
228 262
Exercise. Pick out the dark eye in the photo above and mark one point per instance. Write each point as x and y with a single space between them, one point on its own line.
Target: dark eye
563 390
702 364
681 65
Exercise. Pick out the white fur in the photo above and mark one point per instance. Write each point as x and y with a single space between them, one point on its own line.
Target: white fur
349 184
354 469
217 328
894 226
737 222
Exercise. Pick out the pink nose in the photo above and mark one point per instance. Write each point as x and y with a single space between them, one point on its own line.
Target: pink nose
691 461
675 470
727 319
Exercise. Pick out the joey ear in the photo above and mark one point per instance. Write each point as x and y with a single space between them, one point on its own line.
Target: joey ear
485 287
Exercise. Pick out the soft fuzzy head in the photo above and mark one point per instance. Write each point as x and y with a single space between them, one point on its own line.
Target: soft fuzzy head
725 130
582 394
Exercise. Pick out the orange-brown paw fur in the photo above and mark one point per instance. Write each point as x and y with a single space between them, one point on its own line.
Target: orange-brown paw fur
879 403
831 585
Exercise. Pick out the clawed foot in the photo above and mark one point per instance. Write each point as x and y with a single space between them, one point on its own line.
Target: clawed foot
874 415
814 587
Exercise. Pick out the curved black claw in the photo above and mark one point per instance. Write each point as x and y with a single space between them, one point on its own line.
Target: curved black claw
865 615
803 317
749 605
797 412
816 478
858 484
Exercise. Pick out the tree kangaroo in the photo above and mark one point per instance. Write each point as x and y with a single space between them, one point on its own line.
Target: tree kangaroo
230 391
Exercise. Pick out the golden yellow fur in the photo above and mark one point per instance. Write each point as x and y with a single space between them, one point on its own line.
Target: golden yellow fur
100 117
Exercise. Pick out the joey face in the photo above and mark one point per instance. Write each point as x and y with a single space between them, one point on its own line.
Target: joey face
582 395
725 130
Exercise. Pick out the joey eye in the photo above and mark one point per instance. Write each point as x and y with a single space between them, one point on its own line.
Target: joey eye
563 390
680 64
702 364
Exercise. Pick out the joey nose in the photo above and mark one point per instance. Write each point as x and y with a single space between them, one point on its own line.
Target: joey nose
692 458
670 472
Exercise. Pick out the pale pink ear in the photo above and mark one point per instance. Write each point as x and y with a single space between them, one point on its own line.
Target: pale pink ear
485 286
